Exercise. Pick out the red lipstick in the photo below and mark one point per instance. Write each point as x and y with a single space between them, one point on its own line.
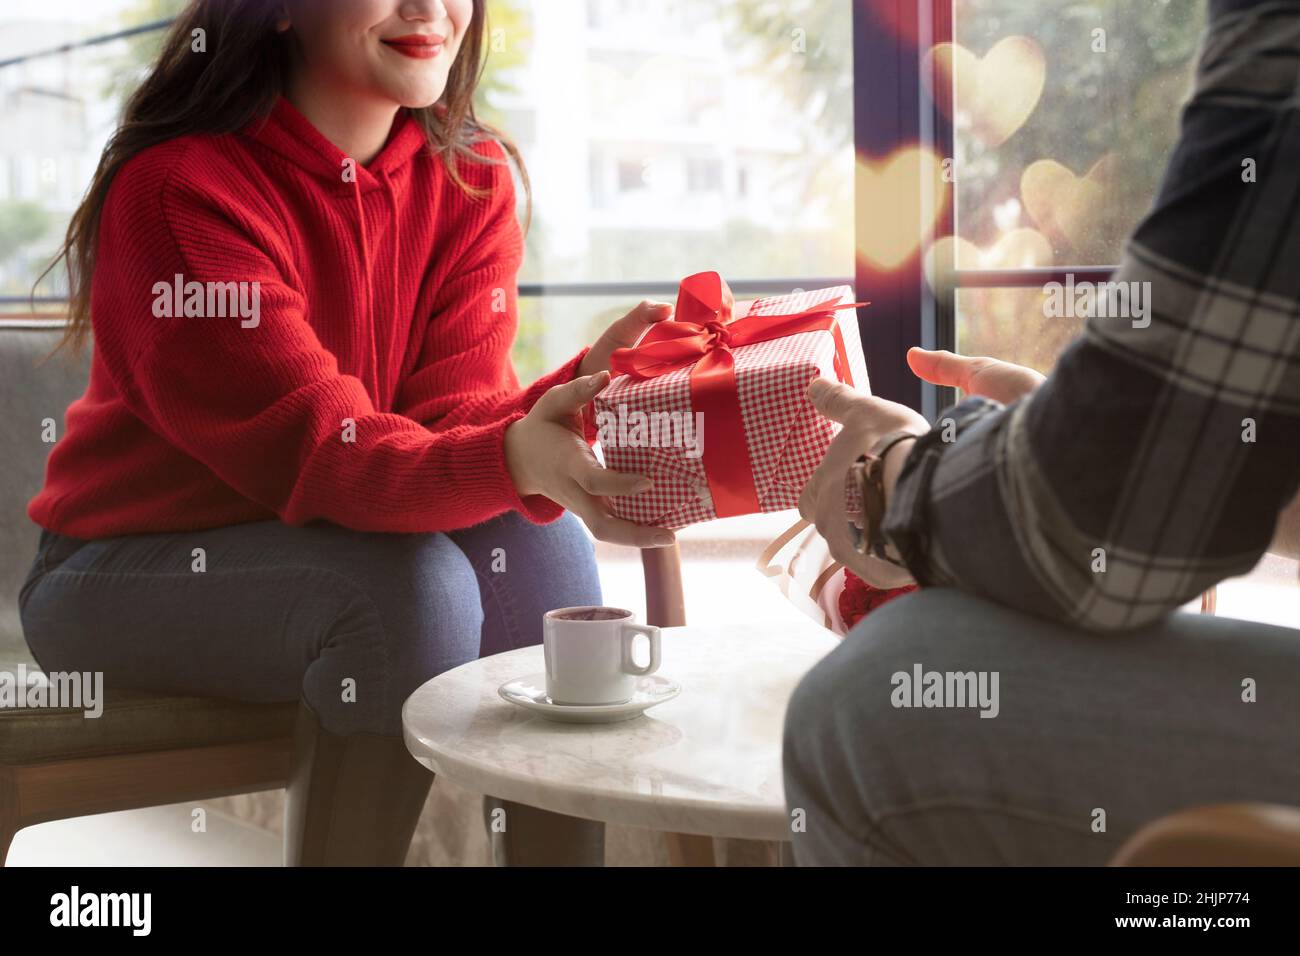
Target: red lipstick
418 46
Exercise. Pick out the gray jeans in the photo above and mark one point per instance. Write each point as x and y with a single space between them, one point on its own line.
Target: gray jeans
1094 735
351 621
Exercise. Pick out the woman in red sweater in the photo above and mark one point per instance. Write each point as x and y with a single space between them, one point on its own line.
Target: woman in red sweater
304 466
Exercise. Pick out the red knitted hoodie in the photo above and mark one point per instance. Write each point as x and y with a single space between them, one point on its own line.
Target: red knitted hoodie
387 306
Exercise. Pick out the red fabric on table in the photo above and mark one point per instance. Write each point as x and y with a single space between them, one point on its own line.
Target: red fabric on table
858 599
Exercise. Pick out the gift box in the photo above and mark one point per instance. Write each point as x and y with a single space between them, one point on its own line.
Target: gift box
711 405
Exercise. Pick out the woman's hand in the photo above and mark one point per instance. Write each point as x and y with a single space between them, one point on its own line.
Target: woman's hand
623 334
990 377
547 455
865 419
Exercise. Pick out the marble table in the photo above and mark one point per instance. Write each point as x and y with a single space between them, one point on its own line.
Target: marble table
707 762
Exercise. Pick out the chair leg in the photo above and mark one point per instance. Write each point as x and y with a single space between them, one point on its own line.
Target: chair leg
734 851
8 812
689 849
7 834
352 800
520 835
665 603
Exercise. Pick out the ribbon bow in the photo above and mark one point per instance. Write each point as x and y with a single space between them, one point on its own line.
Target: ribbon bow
701 336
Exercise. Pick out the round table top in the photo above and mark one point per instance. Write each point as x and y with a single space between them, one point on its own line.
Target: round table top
706 762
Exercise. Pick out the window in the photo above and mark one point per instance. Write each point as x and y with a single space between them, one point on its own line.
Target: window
63 76
1065 114
703 175
1056 119
631 175
1009 144
676 104
640 111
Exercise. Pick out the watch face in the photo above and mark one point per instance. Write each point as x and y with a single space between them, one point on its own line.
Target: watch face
855 504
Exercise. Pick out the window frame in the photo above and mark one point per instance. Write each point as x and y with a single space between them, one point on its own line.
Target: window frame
891 110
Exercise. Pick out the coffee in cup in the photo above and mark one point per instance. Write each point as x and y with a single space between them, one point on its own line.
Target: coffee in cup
589 657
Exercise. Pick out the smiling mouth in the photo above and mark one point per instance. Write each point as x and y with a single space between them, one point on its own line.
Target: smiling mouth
417 46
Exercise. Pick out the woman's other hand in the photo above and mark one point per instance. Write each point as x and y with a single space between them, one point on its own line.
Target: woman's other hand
547 455
992 378
866 419
623 333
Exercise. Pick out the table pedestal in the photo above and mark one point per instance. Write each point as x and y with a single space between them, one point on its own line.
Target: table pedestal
520 835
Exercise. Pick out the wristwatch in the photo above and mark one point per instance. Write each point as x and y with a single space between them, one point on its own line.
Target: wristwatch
865 495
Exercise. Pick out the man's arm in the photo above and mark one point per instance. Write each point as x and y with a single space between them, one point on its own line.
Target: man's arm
1156 458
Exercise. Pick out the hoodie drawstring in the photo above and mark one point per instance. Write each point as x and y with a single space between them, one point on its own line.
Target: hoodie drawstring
370 292
396 229
290 135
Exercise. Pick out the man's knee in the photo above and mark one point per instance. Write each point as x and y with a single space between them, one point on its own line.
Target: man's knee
861 669
853 747
838 753
839 713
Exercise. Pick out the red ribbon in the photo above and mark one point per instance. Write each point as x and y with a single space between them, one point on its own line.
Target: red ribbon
702 334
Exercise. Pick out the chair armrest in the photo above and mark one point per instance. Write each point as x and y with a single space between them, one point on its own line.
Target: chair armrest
1234 834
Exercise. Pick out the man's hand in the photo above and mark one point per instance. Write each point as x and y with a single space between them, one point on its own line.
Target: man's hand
865 419
990 377
622 334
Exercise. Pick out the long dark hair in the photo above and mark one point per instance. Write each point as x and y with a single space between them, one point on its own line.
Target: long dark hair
237 81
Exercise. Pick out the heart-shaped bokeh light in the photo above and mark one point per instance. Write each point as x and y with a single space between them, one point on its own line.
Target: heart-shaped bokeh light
1066 207
1016 249
994 94
902 198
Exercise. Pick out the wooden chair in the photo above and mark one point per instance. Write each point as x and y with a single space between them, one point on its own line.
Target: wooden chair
1234 834
146 749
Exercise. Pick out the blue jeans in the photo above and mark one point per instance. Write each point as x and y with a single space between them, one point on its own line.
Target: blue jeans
352 622
1094 734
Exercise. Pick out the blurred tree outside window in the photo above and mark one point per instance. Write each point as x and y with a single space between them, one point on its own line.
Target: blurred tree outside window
1062 177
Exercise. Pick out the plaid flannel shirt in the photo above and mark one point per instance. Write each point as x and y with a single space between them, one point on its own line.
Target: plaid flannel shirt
1156 458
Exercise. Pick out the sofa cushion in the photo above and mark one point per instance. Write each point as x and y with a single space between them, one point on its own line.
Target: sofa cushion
132 722
30 392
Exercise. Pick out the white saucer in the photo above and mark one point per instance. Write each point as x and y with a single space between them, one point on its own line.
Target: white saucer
530 693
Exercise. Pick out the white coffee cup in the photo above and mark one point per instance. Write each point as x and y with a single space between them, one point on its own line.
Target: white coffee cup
588 654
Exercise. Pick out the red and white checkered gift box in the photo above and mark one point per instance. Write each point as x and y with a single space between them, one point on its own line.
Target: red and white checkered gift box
785 437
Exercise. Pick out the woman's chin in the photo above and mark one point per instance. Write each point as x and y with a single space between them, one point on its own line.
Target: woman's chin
418 96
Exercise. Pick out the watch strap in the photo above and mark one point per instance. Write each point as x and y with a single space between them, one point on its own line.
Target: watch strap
873 494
